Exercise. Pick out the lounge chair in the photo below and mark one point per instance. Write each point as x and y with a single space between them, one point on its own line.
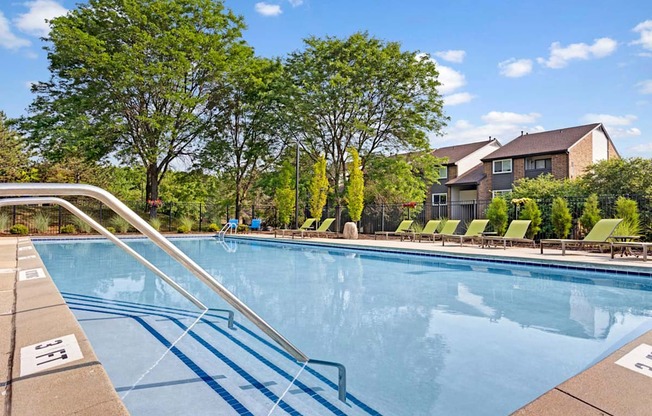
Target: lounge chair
305 226
515 234
448 229
402 230
475 230
321 231
598 235
429 230
255 224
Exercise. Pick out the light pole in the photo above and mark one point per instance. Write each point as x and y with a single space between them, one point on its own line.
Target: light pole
296 191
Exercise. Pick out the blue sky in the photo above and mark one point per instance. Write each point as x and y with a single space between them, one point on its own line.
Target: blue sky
505 66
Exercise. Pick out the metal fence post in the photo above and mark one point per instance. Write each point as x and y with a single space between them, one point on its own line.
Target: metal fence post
382 217
60 219
170 217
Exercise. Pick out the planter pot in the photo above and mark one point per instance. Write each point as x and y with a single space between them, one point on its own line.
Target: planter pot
350 231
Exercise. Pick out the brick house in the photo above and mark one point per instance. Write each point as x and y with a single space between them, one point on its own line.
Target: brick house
460 162
564 153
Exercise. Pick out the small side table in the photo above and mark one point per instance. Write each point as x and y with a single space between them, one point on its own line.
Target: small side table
624 249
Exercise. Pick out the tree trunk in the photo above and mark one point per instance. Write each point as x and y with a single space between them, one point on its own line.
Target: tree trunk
152 188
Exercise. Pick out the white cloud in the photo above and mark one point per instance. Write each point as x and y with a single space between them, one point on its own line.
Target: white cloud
609 120
560 56
456 56
515 68
7 39
645 148
504 126
34 21
458 98
295 3
506 117
644 29
450 79
267 9
645 87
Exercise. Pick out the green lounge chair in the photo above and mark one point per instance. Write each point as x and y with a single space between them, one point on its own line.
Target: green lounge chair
305 226
514 234
475 230
448 229
598 236
321 231
429 230
402 230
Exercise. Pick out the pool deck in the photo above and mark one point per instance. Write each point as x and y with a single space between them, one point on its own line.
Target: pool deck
33 311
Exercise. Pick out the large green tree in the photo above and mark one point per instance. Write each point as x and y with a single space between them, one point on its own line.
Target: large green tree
363 93
134 79
14 157
632 176
245 125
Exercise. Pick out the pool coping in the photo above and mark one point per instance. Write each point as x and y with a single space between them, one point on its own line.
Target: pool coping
35 315
604 388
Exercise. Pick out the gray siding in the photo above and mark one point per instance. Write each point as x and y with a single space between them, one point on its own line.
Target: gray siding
439 188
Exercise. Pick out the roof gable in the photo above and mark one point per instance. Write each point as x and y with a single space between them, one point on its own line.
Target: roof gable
553 141
457 152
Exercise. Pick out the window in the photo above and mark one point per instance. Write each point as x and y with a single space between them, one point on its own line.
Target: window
439 199
503 166
443 172
500 192
538 164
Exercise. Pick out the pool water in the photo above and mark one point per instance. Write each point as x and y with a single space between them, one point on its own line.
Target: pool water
418 335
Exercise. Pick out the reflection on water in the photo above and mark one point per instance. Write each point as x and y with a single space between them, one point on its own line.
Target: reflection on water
419 336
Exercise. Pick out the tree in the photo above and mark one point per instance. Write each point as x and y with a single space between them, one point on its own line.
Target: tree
318 188
363 93
133 79
531 212
591 213
245 125
561 217
632 176
497 215
627 209
13 154
355 190
284 196
399 179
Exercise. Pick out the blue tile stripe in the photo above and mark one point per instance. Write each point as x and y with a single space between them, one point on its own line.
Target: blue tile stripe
239 370
147 308
228 398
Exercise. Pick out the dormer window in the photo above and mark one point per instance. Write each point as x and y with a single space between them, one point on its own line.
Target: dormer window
443 172
502 166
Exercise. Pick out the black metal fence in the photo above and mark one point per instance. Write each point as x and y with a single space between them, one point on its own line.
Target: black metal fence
52 219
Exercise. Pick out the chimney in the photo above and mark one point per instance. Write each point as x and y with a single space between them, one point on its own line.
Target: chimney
521 132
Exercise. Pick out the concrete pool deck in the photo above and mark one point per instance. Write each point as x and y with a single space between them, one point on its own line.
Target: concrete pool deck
30 305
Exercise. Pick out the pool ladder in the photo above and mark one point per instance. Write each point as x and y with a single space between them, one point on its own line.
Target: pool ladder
48 193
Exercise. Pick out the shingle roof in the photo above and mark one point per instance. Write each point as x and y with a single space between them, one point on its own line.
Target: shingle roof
472 177
455 153
553 141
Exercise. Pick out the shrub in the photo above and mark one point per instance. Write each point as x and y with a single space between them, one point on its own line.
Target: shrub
119 224
19 229
82 225
561 218
627 209
531 212
187 223
183 229
68 229
5 219
591 213
242 228
497 215
42 222
214 227
111 230
155 223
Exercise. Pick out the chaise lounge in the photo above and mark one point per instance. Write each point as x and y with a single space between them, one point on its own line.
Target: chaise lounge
598 236
515 234
321 231
305 226
475 230
403 229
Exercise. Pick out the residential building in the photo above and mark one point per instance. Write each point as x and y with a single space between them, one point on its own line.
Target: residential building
564 153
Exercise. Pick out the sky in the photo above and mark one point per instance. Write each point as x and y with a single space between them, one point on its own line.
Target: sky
505 66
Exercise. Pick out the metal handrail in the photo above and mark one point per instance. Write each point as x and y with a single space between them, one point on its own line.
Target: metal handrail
48 189
222 232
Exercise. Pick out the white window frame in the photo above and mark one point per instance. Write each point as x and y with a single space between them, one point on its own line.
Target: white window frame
445 168
499 192
501 161
439 204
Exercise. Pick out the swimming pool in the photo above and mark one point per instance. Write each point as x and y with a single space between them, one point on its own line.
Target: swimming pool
419 335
